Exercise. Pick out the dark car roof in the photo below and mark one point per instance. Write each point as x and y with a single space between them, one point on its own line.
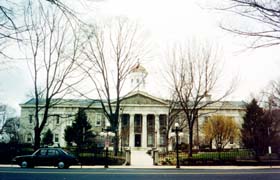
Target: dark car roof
53 148
50 148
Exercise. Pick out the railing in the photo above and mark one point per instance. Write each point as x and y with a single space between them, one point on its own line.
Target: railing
205 158
99 158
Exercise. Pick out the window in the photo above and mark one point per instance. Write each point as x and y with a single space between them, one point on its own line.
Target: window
231 140
125 120
206 118
98 119
138 123
52 152
56 119
150 140
162 121
138 120
69 120
150 122
29 138
56 138
162 139
30 119
43 152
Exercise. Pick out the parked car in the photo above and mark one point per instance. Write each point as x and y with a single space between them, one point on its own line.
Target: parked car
47 157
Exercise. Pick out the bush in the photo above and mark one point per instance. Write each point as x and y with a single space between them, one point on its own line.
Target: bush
10 150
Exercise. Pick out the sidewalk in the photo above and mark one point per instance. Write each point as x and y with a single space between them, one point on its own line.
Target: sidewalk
158 167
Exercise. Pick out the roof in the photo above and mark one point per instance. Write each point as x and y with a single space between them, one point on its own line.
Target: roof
66 102
97 103
154 100
217 105
229 105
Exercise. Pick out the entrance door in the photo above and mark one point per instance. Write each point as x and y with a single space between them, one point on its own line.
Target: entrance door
137 140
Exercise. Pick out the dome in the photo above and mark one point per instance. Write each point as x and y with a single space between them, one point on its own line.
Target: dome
138 68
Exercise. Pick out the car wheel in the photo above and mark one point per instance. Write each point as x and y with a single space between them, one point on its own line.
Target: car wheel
24 164
61 165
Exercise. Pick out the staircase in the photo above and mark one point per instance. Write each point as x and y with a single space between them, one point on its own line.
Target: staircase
140 158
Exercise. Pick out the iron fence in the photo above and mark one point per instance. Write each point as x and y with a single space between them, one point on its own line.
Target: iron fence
228 157
98 157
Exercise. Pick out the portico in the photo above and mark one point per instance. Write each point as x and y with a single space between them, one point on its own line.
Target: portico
143 124
144 130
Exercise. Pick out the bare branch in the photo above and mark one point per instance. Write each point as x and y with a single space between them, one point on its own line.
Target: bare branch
111 53
55 50
264 13
194 75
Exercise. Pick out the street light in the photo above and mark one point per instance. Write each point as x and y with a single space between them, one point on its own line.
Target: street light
269 147
106 133
219 150
178 132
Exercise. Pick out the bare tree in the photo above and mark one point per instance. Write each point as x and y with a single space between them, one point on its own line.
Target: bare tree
54 50
11 15
111 54
172 117
271 95
11 128
265 13
6 112
194 74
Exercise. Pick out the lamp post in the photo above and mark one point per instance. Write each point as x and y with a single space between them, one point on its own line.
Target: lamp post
219 150
177 134
269 147
106 133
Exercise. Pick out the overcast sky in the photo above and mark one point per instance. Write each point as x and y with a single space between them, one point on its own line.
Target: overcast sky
166 22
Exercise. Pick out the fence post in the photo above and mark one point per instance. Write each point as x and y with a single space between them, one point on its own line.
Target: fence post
153 153
127 157
155 157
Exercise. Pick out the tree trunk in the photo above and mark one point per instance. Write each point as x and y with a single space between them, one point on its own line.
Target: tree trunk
37 138
190 142
116 144
166 142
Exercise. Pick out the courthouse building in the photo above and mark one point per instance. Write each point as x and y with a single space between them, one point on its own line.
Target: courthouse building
143 117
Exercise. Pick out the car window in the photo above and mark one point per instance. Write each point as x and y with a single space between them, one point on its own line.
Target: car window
52 152
42 152
65 152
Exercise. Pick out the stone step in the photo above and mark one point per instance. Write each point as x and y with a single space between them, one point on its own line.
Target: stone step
141 158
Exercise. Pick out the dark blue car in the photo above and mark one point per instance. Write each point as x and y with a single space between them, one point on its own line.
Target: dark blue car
47 157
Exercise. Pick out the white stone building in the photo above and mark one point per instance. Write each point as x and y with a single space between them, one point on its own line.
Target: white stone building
143 117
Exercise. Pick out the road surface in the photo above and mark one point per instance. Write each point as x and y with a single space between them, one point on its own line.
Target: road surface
16 173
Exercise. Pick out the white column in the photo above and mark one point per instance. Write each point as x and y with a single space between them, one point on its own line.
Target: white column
131 131
144 131
157 130
170 143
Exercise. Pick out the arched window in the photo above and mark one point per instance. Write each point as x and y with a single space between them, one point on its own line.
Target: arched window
29 138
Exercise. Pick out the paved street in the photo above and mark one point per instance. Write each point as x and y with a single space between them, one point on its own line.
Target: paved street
15 173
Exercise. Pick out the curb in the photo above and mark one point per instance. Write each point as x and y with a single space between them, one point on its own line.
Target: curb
155 167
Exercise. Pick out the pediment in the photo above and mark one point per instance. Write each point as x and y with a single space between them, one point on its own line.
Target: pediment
142 98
